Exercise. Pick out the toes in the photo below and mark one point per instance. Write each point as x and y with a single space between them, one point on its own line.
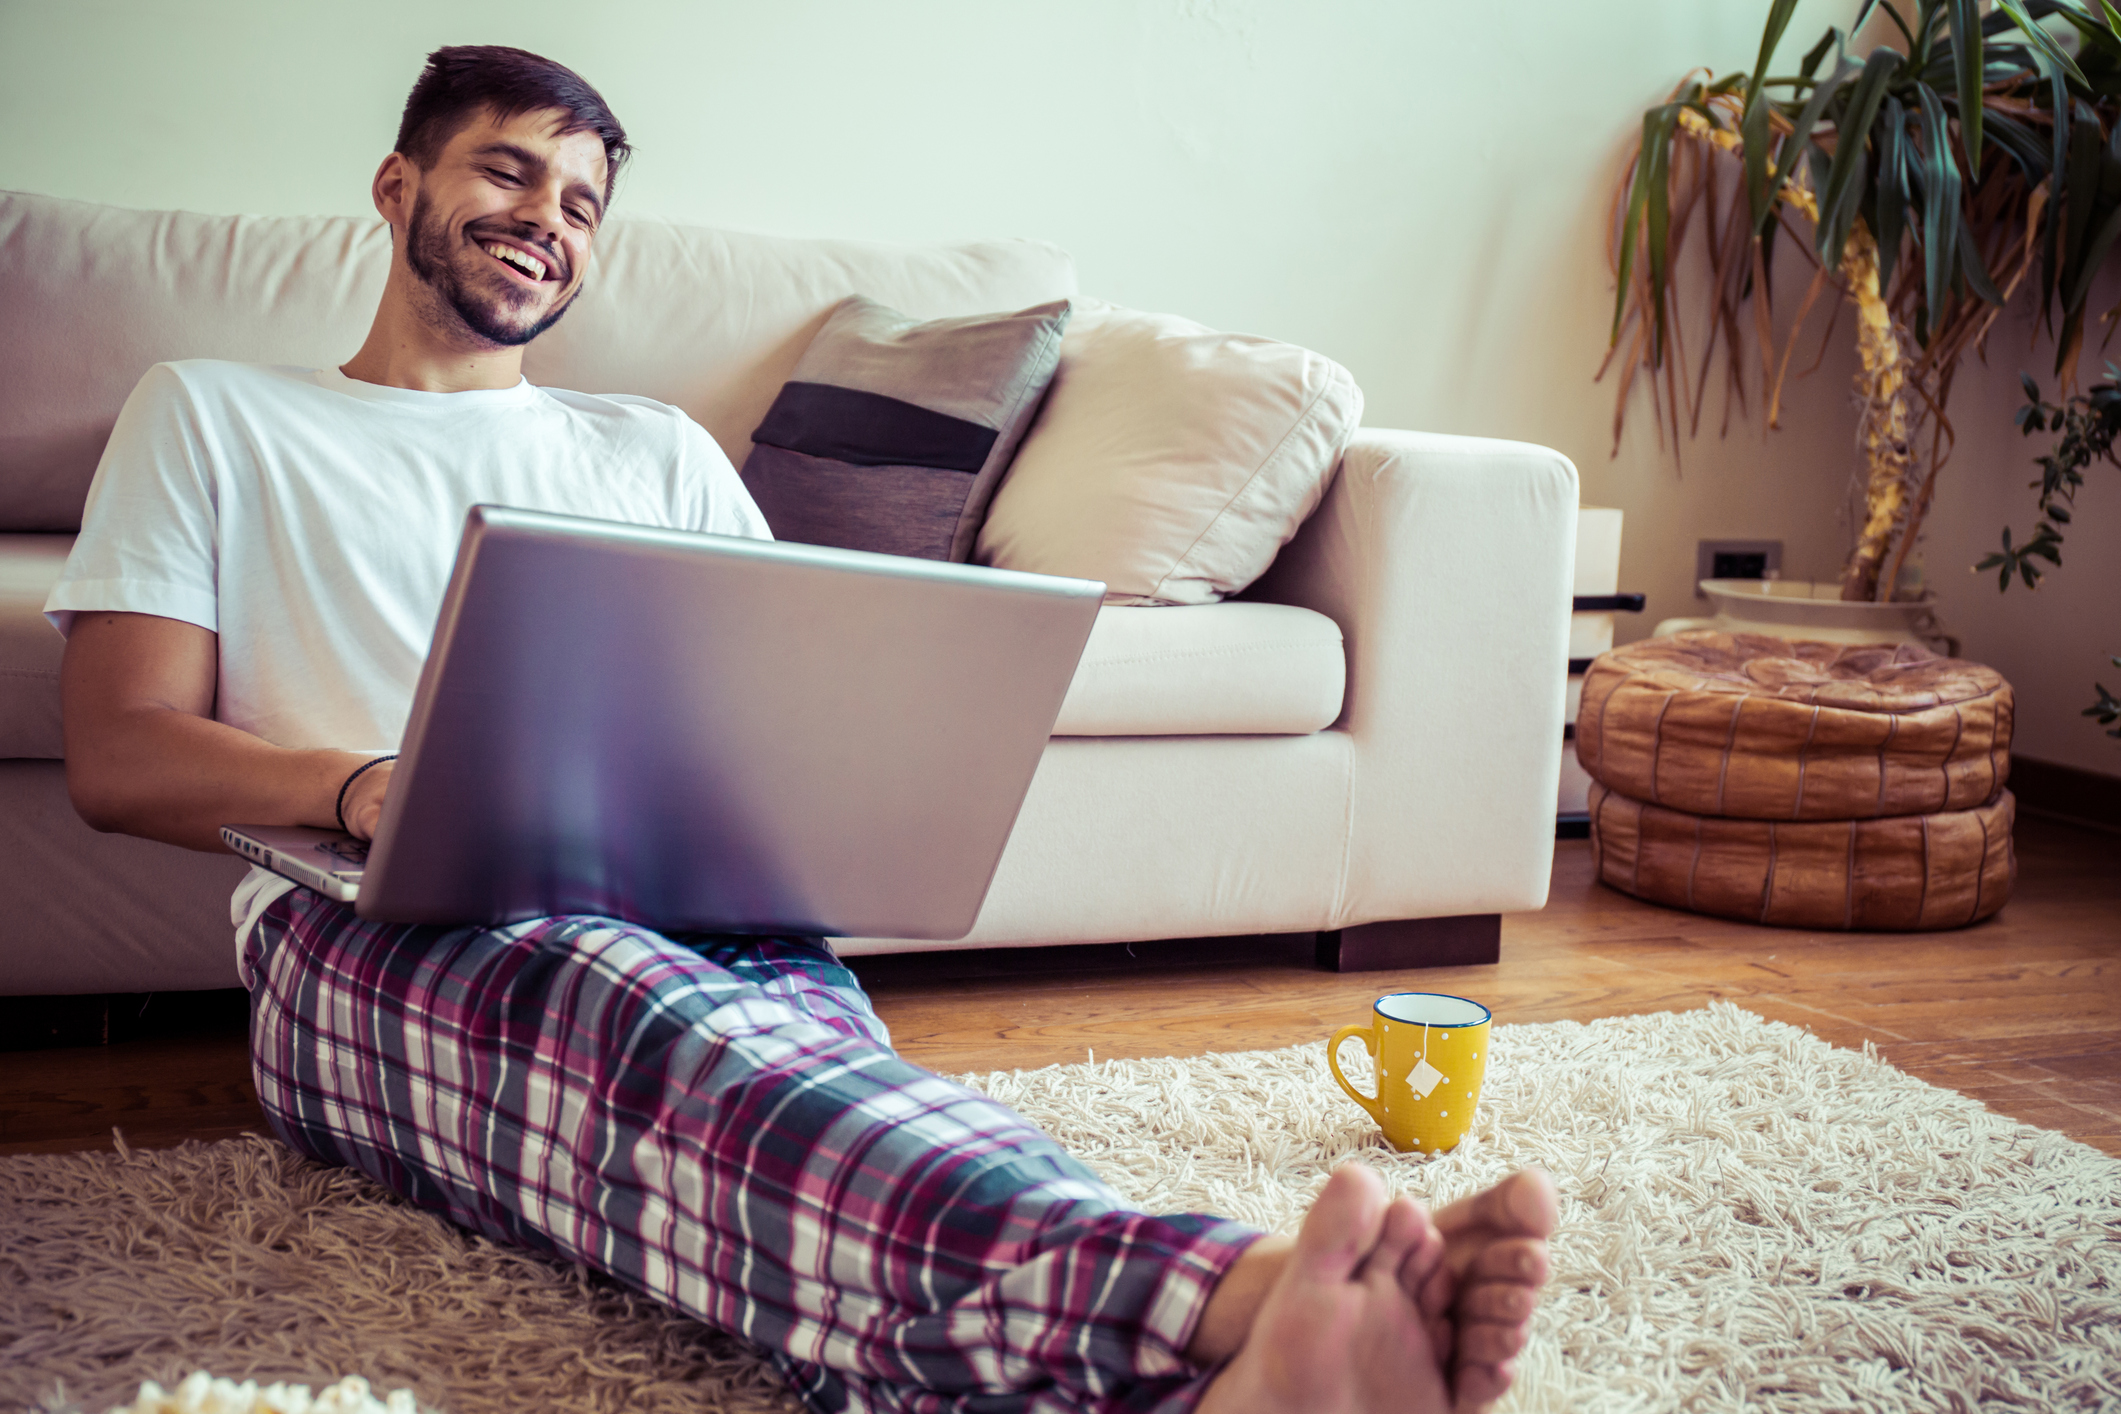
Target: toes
1343 1225
1422 1278
1531 1199
1422 1261
1522 1204
1437 1295
1508 1274
1402 1232
1492 1321
1522 1260
1488 1343
1475 1387
1504 1302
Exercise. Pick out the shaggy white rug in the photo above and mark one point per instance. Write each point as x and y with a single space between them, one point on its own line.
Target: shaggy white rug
1750 1218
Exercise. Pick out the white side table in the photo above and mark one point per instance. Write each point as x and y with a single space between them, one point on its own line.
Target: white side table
1598 599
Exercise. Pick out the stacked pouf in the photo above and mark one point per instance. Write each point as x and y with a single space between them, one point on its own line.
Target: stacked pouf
1808 785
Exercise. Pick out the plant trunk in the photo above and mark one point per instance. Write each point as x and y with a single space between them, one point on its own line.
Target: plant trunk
1888 429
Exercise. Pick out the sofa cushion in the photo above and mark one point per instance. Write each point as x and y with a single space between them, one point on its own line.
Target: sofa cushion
1170 461
711 321
1203 670
894 432
1206 670
29 646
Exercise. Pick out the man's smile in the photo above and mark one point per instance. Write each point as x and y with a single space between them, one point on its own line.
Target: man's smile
520 262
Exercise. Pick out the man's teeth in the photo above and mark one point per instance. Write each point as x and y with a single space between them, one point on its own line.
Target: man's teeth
521 259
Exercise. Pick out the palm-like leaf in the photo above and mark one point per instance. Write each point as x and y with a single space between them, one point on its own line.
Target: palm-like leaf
1984 151
1753 124
1847 178
1966 62
1938 176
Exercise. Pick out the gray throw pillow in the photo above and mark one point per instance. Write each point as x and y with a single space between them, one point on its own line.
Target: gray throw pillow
893 433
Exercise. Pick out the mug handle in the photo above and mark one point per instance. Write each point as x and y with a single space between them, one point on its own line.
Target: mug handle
1369 1043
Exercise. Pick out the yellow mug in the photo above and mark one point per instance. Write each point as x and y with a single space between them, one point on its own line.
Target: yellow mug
1431 1052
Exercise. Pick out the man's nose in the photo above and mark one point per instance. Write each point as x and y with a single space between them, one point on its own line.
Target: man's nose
539 206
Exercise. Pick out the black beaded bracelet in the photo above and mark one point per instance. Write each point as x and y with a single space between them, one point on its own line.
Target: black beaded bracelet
339 808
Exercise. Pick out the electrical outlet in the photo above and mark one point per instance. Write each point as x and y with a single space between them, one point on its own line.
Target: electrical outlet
1736 559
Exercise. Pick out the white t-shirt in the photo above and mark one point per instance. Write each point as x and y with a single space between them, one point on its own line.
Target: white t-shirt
311 521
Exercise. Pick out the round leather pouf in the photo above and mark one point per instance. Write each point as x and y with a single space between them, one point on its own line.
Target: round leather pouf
1744 726
1941 870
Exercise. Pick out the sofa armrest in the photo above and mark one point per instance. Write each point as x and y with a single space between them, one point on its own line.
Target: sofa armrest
1448 564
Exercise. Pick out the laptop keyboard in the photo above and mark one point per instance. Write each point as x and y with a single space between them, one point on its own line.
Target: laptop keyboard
351 851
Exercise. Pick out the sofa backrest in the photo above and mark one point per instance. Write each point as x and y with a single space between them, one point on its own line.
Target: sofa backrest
713 321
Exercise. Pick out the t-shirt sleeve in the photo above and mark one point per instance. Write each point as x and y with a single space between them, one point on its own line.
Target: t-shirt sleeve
148 542
726 507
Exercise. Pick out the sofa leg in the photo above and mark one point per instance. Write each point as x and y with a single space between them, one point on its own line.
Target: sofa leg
1414 942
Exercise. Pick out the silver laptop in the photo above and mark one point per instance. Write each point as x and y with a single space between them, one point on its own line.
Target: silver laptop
702 732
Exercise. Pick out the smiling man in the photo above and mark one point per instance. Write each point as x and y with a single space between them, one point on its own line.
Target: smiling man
718 1121
531 272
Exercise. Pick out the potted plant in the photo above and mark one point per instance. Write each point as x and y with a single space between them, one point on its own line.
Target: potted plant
1928 182
2085 425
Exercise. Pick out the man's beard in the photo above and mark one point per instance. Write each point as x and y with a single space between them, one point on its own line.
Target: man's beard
429 256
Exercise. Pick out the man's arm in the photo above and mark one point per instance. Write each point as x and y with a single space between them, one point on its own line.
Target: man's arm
145 757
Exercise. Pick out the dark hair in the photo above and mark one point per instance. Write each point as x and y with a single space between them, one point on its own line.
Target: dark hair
462 79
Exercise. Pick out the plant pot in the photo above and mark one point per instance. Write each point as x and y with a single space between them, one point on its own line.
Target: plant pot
1807 610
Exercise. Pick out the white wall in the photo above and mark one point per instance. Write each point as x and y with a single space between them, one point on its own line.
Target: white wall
1416 188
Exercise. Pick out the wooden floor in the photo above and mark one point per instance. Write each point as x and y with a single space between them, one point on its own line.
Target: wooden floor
2022 1012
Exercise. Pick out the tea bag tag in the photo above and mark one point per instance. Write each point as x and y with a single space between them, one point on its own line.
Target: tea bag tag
1423 1078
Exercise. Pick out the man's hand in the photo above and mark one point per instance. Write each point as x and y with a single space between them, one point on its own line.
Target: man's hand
145 757
364 801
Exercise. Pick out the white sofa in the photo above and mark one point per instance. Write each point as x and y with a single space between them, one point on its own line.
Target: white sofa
1364 745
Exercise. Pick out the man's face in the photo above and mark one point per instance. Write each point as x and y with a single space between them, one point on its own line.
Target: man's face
500 227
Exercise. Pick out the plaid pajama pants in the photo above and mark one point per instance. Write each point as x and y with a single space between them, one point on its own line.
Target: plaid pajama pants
721 1123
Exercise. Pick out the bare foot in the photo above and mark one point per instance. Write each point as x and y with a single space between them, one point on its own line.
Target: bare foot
1340 1330
1478 1302
1473 1295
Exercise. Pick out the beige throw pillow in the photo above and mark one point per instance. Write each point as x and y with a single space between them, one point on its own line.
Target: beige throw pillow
1169 460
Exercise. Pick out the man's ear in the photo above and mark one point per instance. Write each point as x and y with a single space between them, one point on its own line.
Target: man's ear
392 190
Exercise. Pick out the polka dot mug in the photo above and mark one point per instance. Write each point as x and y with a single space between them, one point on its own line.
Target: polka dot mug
1431 1052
